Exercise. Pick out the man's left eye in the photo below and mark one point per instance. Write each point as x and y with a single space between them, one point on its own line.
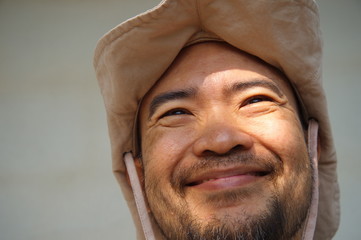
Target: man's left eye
174 112
257 99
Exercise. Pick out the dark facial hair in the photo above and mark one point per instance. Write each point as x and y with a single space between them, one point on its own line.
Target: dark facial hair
278 222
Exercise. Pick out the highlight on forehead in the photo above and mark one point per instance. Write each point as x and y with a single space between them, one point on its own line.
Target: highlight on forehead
226 47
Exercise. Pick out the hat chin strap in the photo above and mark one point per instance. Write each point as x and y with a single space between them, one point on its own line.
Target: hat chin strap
309 229
310 225
139 197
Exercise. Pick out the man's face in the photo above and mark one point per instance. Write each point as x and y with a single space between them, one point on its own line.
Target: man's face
223 150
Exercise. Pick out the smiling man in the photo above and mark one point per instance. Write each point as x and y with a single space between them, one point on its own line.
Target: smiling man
220 133
217 101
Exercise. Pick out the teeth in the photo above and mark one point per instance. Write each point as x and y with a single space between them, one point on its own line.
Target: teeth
209 180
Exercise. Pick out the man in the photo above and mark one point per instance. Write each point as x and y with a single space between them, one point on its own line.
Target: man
215 100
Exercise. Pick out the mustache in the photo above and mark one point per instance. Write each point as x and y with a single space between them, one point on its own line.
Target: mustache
270 163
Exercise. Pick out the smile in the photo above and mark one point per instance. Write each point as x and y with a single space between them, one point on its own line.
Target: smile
224 179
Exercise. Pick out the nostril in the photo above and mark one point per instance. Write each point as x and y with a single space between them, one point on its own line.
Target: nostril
221 139
231 151
237 148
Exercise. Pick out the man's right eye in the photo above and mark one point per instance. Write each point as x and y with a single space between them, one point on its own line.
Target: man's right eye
173 112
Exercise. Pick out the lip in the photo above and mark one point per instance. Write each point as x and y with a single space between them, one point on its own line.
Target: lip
222 179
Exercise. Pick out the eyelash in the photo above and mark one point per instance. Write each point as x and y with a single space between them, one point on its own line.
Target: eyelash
175 112
257 99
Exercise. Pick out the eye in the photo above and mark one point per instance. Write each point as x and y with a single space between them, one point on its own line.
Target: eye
257 99
174 112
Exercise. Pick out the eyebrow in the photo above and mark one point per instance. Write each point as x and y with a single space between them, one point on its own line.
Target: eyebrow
162 98
240 86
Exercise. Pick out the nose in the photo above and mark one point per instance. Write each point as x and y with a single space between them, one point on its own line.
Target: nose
221 138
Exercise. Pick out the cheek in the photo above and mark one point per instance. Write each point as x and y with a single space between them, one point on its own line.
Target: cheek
284 137
162 149
283 134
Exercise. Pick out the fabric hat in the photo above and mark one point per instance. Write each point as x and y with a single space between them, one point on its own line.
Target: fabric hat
284 33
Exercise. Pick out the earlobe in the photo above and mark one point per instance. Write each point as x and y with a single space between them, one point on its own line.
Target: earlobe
139 167
140 172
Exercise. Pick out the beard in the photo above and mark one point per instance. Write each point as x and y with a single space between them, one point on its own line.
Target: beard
265 226
281 219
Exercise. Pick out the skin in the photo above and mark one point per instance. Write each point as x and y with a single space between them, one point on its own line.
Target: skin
223 148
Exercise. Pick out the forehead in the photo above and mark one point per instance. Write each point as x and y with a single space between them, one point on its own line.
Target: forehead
196 63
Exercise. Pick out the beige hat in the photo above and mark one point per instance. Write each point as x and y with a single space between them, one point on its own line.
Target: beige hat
285 33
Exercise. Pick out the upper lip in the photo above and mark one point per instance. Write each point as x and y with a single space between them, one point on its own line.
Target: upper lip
207 175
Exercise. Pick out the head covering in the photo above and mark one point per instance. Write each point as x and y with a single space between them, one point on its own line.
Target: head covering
284 33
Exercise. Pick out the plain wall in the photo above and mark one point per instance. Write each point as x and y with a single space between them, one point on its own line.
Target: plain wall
55 165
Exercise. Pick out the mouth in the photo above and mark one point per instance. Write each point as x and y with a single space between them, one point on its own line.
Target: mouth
226 178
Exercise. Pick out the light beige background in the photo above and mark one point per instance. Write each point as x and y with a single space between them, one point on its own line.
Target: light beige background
55 170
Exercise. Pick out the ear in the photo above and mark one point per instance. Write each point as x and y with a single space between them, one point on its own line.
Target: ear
139 167
140 171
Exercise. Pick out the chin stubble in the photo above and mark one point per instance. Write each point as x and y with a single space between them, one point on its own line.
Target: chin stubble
280 221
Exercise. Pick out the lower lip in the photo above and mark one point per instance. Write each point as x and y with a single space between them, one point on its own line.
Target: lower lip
227 182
